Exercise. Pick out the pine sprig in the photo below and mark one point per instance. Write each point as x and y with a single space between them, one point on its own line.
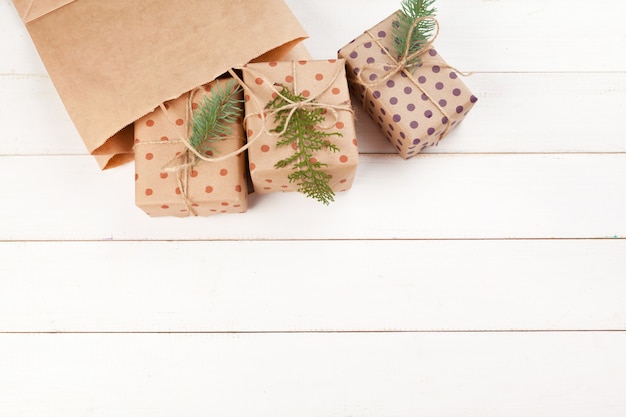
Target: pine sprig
209 122
410 12
302 133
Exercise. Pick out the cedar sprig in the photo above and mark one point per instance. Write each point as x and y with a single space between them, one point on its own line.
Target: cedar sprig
410 12
301 131
209 123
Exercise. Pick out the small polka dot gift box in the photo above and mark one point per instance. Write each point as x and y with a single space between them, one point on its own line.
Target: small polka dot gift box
413 108
293 89
170 180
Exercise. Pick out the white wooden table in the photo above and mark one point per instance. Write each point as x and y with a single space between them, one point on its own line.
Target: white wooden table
485 277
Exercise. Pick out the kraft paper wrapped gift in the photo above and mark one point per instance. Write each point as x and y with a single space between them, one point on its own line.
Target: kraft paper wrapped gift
412 109
320 81
171 181
114 61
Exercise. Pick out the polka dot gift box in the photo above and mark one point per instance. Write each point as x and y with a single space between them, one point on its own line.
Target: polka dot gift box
169 181
320 84
413 109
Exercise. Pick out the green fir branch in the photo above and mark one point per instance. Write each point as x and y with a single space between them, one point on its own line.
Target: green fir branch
210 121
303 134
410 12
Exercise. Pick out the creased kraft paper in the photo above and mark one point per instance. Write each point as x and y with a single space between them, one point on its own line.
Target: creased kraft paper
326 81
115 61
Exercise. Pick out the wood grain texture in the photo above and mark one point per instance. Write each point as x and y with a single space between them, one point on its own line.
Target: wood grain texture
476 35
489 35
521 113
364 286
336 375
483 278
431 196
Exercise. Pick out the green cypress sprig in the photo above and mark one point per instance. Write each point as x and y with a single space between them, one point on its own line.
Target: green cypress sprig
209 122
410 12
302 132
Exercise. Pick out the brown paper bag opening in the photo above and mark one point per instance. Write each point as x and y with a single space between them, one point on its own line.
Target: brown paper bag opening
114 61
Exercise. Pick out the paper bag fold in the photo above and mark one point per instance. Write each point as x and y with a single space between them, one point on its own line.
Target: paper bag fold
114 61
31 10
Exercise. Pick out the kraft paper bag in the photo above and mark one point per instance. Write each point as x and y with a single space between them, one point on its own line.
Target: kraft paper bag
114 61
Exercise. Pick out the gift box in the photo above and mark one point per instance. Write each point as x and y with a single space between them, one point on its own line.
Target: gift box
321 86
114 61
171 180
414 108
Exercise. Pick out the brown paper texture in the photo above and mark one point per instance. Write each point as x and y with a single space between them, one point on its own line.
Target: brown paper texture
411 114
213 187
311 79
33 10
114 61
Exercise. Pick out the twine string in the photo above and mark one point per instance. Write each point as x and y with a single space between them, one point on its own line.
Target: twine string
401 64
183 163
388 69
292 106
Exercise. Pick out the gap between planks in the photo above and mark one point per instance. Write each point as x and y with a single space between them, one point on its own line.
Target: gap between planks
442 239
288 332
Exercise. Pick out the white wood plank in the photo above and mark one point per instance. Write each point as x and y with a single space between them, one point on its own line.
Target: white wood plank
76 255
336 286
476 35
35 121
17 50
479 35
524 113
431 196
279 375
515 113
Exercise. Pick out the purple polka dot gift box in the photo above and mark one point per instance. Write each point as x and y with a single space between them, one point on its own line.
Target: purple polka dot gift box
413 107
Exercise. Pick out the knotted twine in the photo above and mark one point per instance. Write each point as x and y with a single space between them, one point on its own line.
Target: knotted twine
291 105
183 163
388 69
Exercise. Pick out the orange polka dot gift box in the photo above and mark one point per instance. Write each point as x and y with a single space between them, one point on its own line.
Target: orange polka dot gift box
414 97
300 127
172 178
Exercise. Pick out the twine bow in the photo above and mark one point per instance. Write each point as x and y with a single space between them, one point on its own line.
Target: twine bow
291 105
403 63
183 163
395 66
